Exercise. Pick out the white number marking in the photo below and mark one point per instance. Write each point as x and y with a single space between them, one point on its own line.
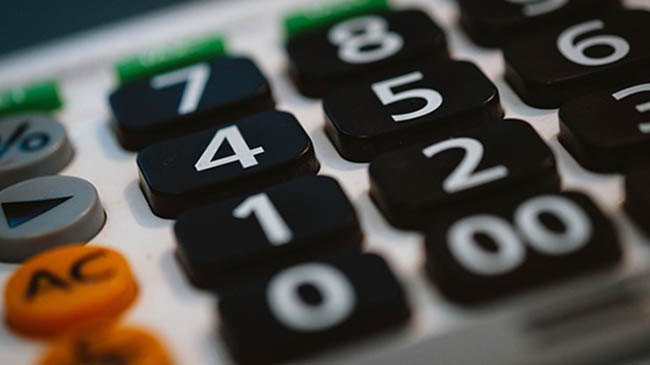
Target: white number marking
354 38
243 153
384 92
272 224
465 175
195 77
539 7
641 108
576 52
337 303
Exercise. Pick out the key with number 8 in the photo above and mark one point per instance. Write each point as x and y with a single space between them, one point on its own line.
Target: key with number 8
188 99
363 47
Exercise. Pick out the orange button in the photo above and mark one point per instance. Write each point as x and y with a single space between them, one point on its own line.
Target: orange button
100 344
64 287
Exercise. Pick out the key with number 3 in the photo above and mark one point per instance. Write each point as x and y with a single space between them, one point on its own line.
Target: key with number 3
188 99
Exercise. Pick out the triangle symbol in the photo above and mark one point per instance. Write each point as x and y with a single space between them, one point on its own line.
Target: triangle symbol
18 213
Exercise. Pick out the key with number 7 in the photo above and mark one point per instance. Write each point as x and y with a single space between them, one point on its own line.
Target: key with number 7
214 164
188 99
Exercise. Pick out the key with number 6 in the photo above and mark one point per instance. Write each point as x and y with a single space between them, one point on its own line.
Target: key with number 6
188 99
555 65
247 155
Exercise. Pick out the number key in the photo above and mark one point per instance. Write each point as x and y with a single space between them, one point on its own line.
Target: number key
609 131
415 186
359 48
188 99
214 164
517 243
302 218
415 105
553 66
492 23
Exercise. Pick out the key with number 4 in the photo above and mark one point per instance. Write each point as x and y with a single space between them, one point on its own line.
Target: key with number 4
188 99
414 105
247 155
555 65
303 218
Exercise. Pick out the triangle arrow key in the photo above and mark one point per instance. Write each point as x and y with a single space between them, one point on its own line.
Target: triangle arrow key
18 213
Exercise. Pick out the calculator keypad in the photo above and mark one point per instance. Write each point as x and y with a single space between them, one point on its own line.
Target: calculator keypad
415 186
362 48
553 66
309 306
516 243
413 105
214 164
188 99
306 217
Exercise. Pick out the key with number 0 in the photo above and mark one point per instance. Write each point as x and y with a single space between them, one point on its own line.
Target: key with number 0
188 99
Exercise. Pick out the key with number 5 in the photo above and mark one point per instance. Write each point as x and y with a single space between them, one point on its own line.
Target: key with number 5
188 99
244 156
417 104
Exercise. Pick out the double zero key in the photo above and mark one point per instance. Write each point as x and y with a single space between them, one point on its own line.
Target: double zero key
188 99
558 64
310 306
305 217
415 186
414 105
516 243
214 164
363 47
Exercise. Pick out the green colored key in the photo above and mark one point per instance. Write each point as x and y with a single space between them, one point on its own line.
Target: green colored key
42 96
304 19
169 57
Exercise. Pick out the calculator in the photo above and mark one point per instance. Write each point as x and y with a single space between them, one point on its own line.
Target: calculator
343 181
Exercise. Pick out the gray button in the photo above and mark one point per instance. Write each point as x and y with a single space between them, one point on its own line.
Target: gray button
46 212
32 146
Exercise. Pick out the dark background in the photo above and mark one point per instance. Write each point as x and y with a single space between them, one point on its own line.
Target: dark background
28 22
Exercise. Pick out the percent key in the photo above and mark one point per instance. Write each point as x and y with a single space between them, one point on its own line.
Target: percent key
30 147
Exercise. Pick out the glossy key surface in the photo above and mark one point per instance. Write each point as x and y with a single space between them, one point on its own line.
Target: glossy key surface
609 131
554 65
305 217
416 186
310 306
494 23
362 48
517 243
62 288
247 155
188 99
414 105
